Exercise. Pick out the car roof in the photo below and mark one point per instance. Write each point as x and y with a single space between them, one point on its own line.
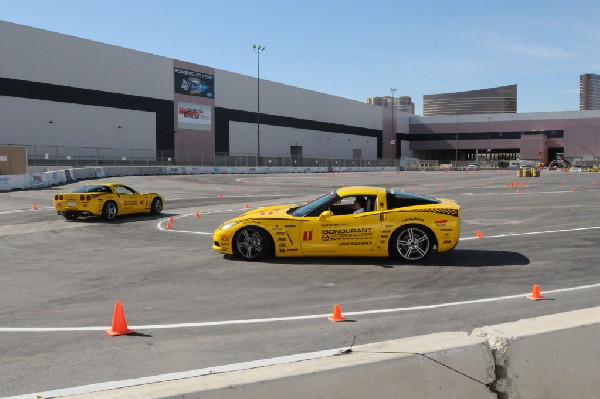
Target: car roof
358 190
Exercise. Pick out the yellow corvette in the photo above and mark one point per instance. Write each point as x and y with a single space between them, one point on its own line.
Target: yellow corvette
391 223
106 200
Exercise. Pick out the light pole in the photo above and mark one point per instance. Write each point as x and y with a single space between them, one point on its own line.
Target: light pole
456 142
258 49
394 117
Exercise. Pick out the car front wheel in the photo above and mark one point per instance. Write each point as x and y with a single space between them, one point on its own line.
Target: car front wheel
252 243
109 211
411 243
156 207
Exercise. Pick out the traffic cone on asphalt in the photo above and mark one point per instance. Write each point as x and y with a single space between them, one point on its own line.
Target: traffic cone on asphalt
169 225
35 208
535 293
197 214
479 234
337 314
171 219
119 324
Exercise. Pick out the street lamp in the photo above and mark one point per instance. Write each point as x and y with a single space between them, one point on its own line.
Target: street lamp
394 117
258 49
456 142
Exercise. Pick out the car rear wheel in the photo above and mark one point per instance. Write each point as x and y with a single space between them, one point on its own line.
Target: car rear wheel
70 216
156 207
109 211
411 243
252 243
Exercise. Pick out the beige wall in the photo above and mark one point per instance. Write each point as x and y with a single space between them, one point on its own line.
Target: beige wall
13 160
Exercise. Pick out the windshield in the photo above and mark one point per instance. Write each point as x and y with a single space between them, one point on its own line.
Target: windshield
317 206
92 189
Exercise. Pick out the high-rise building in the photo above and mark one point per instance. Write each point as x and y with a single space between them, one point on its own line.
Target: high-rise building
494 100
402 103
589 92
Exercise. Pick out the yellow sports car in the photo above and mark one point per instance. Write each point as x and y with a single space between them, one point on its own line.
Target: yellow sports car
349 221
106 200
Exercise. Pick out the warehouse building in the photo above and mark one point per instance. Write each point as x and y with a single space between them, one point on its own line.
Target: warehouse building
66 97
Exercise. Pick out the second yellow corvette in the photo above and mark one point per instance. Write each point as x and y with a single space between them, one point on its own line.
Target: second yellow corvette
349 221
107 200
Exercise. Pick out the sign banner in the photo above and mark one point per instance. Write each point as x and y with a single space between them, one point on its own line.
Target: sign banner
37 180
194 116
194 83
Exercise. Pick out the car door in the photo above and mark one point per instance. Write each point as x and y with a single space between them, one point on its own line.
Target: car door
130 200
331 234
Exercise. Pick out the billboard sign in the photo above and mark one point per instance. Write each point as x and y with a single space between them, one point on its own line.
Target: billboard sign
194 83
194 116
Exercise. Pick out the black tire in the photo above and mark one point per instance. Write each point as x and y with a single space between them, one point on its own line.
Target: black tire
70 215
411 243
110 211
252 243
156 207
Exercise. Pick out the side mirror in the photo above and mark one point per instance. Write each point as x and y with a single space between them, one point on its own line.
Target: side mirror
325 214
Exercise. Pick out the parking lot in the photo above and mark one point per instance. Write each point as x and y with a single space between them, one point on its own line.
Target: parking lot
192 308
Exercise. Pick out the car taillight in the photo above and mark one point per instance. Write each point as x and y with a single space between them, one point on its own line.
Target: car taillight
82 197
60 197
88 197
56 198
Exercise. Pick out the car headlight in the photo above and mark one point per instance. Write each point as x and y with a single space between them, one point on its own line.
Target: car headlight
228 224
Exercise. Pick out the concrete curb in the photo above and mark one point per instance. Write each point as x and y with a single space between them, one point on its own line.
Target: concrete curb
552 356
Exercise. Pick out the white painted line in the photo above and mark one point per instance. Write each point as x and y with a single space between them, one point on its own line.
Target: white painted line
13 211
296 318
253 195
163 223
530 233
105 386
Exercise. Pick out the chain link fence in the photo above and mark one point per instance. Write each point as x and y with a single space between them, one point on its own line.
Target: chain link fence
99 156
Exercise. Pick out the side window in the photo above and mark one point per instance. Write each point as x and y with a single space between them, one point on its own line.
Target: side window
124 190
351 205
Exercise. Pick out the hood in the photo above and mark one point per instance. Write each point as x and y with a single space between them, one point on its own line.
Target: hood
268 212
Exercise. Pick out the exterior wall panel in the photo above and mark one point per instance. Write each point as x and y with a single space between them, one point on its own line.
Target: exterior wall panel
28 121
41 56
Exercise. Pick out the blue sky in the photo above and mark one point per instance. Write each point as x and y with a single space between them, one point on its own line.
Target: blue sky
355 49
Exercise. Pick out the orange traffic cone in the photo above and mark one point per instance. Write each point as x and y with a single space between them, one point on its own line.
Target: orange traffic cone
535 293
171 219
337 314
197 214
479 234
572 189
220 195
247 206
119 324
35 207
169 225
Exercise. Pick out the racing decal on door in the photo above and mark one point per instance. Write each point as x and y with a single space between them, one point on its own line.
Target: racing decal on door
347 234
307 236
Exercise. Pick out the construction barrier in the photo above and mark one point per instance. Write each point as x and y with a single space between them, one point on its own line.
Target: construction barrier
528 172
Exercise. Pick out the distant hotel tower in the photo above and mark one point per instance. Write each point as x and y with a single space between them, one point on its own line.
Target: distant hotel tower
589 92
495 100
402 103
